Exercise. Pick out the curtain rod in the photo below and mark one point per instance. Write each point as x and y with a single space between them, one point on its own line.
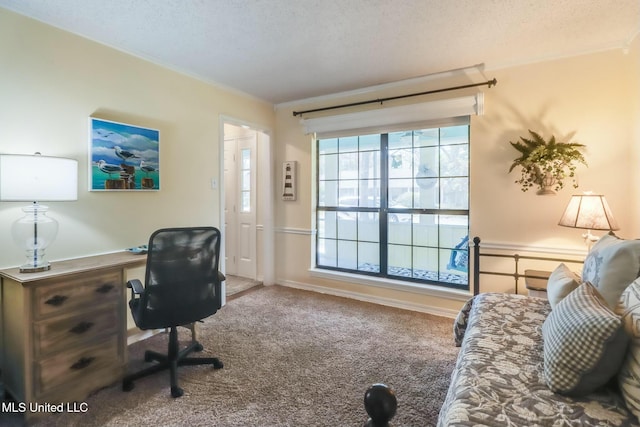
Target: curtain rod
489 83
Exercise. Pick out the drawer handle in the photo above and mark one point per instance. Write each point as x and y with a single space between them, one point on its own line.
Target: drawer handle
56 300
82 363
104 288
81 327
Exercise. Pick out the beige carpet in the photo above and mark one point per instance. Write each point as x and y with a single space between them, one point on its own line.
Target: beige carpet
235 285
292 358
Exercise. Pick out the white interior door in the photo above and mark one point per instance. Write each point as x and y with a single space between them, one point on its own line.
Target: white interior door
246 212
230 197
240 170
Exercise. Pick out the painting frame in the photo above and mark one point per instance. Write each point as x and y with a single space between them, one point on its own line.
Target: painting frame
123 157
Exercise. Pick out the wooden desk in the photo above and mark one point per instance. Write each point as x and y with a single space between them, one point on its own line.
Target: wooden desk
64 331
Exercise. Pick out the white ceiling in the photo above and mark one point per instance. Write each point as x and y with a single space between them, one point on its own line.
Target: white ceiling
285 50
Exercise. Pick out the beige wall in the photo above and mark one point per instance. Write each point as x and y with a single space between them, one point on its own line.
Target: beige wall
590 99
52 81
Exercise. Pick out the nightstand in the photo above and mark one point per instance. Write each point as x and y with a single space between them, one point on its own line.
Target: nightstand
536 282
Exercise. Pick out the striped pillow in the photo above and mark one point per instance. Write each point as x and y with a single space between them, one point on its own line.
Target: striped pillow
584 343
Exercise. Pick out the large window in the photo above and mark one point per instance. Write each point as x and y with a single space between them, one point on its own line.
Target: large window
396 205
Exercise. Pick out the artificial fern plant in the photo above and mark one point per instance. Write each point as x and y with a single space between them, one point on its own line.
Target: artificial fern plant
546 164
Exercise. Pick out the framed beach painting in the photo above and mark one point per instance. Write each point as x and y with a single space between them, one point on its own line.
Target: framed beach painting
123 157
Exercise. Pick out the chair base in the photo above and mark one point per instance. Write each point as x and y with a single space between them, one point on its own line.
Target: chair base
171 361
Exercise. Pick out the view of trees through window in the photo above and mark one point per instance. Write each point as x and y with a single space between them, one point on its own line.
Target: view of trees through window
396 205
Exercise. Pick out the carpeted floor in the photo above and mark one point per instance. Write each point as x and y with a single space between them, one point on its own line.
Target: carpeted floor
236 285
292 358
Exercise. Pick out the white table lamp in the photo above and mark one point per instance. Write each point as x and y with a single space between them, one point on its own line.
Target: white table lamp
591 212
36 178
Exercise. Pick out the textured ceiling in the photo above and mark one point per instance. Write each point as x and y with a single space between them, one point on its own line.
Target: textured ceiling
284 50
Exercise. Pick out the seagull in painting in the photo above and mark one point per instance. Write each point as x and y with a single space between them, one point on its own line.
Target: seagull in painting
145 168
108 168
124 154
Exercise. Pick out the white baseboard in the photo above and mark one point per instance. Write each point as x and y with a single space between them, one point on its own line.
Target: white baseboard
390 302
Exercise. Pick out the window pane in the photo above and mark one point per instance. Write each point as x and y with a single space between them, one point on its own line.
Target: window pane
425 137
328 168
246 180
400 163
348 166
455 160
454 135
348 193
347 254
368 227
453 231
369 257
400 229
327 146
328 193
425 230
327 224
246 202
399 260
425 263
369 165
427 162
427 197
369 193
454 266
400 139
454 193
400 193
370 142
348 144
347 226
327 252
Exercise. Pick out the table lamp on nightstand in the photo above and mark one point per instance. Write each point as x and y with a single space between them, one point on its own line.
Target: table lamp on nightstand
36 178
591 212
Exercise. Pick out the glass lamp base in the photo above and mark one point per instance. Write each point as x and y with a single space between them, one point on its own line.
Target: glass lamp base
35 269
34 232
30 268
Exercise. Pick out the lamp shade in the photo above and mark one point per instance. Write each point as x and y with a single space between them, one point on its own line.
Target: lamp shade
37 178
588 211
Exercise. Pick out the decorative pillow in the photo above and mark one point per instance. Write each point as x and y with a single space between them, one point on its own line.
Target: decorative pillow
629 374
561 282
584 343
611 265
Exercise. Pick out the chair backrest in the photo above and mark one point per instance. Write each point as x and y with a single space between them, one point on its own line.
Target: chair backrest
181 281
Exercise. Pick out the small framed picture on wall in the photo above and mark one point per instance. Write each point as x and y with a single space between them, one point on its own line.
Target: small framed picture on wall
289 180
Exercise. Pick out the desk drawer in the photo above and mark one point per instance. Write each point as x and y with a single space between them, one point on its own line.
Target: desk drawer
82 290
60 334
94 364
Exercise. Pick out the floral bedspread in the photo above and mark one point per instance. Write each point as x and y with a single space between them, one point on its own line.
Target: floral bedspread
498 379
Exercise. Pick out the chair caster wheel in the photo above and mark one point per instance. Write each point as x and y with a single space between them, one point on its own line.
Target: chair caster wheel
217 364
176 392
127 385
198 347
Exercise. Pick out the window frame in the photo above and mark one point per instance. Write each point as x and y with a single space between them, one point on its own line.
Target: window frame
384 210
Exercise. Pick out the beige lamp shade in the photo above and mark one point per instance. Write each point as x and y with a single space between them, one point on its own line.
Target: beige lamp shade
588 211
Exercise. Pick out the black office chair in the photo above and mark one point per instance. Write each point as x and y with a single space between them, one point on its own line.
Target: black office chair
182 286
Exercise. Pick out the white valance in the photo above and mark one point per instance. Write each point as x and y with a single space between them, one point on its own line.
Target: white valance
391 118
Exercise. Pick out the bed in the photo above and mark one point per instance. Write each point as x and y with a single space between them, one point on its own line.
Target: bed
504 374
